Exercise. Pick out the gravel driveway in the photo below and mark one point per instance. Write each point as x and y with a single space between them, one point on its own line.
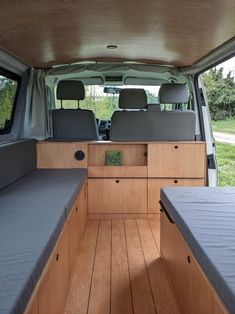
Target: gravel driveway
224 137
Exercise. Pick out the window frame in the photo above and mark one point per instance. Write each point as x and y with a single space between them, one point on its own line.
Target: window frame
12 76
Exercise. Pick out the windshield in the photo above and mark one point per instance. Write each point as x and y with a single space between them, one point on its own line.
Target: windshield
103 104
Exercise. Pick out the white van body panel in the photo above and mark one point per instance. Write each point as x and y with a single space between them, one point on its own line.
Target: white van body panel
209 138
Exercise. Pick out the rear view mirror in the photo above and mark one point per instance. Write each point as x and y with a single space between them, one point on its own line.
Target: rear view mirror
112 90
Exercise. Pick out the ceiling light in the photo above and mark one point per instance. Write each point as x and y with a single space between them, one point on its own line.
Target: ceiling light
112 46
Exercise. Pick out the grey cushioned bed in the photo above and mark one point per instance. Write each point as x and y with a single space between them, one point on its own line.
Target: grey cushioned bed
206 219
32 214
47 187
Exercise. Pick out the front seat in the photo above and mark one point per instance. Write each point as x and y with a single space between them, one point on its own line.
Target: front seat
127 125
73 124
175 125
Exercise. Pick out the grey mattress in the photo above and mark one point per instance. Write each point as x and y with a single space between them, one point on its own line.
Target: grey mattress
32 214
206 219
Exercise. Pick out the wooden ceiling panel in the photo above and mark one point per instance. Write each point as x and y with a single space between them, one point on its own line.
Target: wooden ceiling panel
49 32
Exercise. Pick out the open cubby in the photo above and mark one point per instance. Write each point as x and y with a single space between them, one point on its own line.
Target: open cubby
132 154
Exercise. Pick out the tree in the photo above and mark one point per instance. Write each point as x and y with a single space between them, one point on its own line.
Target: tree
220 91
7 94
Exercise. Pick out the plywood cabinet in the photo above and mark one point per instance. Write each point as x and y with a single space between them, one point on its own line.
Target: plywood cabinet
167 233
61 155
54 287
193 291
218 307
155 185
117 195
146 167
33 306
51 291
161 164
73 237
182 275
77 222
83 200
176 160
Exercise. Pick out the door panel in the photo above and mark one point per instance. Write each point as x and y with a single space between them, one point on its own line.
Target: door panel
176 160
53 290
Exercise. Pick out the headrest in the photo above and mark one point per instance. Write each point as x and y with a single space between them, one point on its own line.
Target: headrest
172 93
70 90
132 98
154 107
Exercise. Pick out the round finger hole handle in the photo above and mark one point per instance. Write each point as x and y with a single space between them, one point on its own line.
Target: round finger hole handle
79 155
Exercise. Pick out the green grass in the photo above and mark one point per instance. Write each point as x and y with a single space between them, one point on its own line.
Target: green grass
226 164
226 126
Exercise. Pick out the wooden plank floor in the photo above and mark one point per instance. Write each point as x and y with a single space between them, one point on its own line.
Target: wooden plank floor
119 270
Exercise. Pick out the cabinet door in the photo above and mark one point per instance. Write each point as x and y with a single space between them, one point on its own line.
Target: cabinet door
193 291
83 203
203 301
53 290
73 236
60 155
167 231
155 185
171 160
81 213
77 223
117 196
182 276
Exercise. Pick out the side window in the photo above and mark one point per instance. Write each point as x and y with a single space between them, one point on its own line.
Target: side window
9 84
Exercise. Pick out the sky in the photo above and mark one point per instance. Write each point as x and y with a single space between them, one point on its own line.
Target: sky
228 65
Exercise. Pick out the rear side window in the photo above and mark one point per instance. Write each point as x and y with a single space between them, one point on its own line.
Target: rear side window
9 86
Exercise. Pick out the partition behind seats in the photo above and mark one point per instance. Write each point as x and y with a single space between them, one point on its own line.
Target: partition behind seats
74 124
153 126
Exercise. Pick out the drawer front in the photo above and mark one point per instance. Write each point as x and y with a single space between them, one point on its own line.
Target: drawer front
176 160
54 288
155 185
117 196
116 171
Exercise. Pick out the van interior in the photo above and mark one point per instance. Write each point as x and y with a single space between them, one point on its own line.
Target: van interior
108 178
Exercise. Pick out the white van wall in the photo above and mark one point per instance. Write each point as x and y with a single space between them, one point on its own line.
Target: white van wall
209 138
